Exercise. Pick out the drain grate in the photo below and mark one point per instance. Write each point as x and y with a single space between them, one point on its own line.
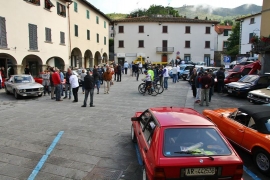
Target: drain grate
103 174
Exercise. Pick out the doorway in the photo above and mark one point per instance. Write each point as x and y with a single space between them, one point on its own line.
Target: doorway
33 67
121 61
164 58
207 59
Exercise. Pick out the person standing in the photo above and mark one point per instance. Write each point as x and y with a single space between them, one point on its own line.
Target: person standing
126 66
57 83
136 69
74 82
89 83
96 79
26 70
100 72
174 73
62 81
160 75
192 82
211 88
83 74
115 71
67 84
220 80
1 79
107 77
206 83
166 77
119 71
140 67
46 82
51 83
198 87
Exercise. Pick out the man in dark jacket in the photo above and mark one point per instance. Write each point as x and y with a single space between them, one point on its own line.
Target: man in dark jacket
220 80
89 83
67 84
206 84
119 72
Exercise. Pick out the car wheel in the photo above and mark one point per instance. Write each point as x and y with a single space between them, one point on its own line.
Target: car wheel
144 176
40 95
184 79
6 90
133 136
16 95
261 159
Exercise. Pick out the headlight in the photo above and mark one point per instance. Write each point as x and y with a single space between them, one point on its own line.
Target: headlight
246 88
266 99
250 95
41 89
20 90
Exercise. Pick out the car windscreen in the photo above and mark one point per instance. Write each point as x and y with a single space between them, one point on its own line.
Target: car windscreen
188 68
193 142
249 78
182 67
22 79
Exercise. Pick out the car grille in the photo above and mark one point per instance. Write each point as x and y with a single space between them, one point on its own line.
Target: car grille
232 88
32 90
258 98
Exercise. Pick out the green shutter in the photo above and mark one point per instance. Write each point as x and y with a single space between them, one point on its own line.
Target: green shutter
87 14
75 7
33 37
3 34
58 8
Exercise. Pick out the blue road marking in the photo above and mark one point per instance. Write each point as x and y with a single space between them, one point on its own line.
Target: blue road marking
138 154
251 174
45 157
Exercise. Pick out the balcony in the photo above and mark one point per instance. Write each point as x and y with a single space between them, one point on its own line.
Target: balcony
167 50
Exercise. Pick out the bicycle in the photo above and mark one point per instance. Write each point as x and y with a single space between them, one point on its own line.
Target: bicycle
143 90
157 88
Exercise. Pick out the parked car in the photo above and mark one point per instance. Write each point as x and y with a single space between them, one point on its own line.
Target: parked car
23 85
247 127
260 96
183 67
248 83
179 143
251 68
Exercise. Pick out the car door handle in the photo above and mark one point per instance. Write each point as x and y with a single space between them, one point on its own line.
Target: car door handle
241 130
139 132
145 149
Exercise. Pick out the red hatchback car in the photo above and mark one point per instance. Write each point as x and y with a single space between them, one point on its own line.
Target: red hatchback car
179 143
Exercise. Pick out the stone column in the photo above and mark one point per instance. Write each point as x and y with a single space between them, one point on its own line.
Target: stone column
18 69
265 63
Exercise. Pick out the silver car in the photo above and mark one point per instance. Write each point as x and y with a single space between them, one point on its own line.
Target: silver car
23 85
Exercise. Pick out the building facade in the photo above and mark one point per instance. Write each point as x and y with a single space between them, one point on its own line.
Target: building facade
89 35
249 26
160 39
36 35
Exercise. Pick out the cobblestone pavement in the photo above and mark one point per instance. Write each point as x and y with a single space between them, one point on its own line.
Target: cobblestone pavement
96 143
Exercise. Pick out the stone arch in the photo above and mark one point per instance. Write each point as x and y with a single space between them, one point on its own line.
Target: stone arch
88 59
105 57
76 58
34 63
55 61
6 61
97 58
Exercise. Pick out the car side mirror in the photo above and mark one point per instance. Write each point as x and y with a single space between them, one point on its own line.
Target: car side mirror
135 119
11 81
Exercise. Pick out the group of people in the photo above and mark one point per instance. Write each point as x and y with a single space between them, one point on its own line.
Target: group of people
203 83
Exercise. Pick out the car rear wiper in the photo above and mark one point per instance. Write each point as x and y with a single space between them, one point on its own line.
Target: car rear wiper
187 152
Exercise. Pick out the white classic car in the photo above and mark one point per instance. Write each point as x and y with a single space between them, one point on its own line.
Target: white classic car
260 96
23 85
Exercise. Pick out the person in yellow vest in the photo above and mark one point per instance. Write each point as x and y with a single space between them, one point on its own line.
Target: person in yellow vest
151 73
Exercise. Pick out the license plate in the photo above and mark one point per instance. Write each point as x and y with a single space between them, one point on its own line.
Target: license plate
200 171
229 91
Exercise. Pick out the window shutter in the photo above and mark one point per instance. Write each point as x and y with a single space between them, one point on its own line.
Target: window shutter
48 34
3 34
58 8
33 37
62 37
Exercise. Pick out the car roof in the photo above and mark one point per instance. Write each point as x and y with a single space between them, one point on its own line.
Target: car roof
179 116
260 114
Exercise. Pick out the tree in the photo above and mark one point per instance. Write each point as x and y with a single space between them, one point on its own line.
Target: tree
155 9
233 41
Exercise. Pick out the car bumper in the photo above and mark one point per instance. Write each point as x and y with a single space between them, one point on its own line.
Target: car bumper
260 99
34 93
233 91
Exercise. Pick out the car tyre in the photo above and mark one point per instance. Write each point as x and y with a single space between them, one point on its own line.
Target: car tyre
16 95
262 160
133 136
7 92
144 176
40 95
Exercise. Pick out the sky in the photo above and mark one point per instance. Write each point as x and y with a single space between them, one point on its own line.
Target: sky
127 6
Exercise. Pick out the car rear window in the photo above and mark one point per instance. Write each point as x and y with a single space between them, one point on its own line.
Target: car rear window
193 142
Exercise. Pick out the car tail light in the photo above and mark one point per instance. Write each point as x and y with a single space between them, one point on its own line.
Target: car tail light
238 172
159 174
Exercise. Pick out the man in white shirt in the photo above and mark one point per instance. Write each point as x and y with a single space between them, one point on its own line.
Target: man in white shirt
178 73
174 73
166 77
74 82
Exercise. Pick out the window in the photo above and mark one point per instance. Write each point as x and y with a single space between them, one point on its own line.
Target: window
121 44
105 40
36 2
187 44
48 35
87 14
97 38
252 20
75 6
207 44
88 34
97 20
112 28
225 44
3 33
33 45
48 4
207 30
250 37
141 43
187 29
141 29
121 29
76 30
105 24
61 9
165 29
112 35
187 57
226 32
62 38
